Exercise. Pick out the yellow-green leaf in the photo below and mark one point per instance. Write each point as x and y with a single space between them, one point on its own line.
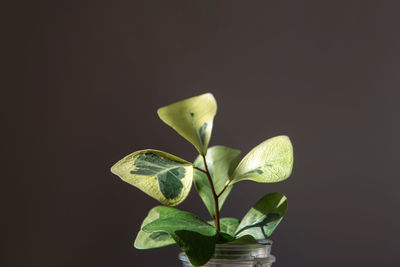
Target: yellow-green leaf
163 176
269 162
157 239
192 118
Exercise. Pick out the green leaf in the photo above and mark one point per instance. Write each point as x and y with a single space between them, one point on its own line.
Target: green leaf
229 225
228 228
244 240
269 162
221 162
157 239
194 236
163 176
192 118
263 217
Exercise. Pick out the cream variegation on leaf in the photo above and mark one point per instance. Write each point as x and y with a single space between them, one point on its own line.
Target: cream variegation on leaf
163 176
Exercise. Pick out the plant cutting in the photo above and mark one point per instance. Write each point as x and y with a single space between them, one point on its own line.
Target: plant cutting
168 179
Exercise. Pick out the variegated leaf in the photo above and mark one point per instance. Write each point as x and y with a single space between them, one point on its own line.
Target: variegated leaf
269 162
163 176
157 239
193 235
192 118
262 219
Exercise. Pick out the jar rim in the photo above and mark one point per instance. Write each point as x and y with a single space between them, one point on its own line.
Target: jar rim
240 253
270 259
259 244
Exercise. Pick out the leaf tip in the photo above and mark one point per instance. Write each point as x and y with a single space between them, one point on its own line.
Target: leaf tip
114 169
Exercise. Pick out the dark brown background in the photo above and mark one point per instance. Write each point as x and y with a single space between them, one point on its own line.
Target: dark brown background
81 82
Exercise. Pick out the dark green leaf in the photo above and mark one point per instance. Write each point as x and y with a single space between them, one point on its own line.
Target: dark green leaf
194 236
224 238
244 240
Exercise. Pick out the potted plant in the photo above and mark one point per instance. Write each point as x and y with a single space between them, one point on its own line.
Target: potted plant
168 179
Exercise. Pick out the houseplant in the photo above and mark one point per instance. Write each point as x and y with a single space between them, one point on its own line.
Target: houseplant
214 172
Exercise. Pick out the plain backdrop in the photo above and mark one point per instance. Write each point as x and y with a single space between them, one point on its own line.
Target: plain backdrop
81 82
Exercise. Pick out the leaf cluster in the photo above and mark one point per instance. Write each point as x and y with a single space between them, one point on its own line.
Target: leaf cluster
214 172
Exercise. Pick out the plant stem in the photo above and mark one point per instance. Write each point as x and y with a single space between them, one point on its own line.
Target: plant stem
199 169
223 190
215 197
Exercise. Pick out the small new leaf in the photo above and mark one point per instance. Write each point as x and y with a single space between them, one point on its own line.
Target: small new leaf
262 219
221 162
192 118
157 239
163 176
194 236
269 162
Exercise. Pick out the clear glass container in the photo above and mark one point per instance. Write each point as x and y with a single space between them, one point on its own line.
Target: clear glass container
254 255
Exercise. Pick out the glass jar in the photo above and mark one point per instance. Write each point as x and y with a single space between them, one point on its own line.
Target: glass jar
251 255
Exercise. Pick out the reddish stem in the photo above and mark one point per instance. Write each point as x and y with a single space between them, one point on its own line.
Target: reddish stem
215 197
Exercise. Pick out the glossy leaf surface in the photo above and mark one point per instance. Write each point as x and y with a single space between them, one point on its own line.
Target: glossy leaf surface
192 118
194 236
156 239
269 162
163 176
221 162
263 217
